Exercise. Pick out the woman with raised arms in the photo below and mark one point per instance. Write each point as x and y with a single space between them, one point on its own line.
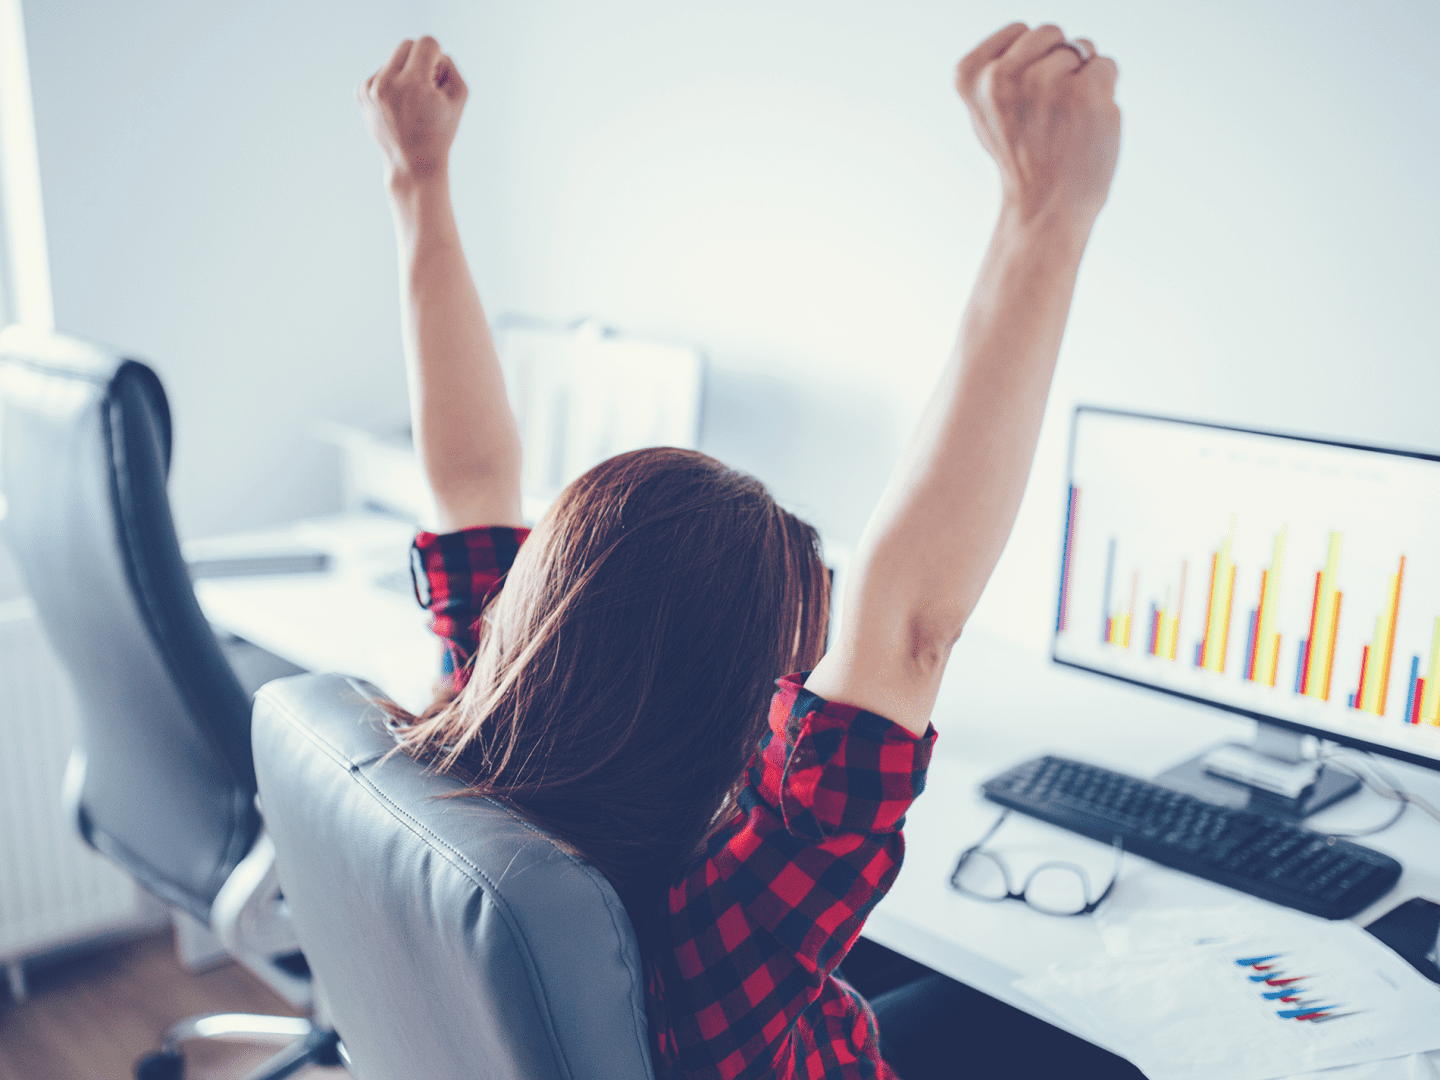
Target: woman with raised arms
639 686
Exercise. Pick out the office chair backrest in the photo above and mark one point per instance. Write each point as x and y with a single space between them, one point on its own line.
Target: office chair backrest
168 788
451 938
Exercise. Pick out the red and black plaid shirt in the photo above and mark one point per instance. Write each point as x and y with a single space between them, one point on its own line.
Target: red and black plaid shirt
759 924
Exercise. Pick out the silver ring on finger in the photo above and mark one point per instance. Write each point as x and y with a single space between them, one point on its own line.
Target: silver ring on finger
1078 48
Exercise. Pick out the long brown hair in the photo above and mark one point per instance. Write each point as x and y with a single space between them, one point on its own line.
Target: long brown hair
623 674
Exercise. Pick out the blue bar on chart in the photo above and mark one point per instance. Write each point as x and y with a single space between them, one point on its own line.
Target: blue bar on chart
1067 558
1105 620
1411 716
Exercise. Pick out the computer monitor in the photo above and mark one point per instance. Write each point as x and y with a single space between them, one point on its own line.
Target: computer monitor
1293 580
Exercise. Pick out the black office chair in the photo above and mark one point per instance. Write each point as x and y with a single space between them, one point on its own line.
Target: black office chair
163 782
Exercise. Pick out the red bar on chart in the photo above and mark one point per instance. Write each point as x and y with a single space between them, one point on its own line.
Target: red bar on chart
1324 625
1430 700
1309 646
1414 685
1204 649
1225 621
1375 679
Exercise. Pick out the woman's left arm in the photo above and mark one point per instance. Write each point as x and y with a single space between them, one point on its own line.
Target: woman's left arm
1044 108
465 433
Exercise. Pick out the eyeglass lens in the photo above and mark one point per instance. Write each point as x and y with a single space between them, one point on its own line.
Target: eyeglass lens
982 875
1055 888
1059 889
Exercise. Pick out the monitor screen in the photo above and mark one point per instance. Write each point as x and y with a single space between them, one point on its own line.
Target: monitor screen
1288 579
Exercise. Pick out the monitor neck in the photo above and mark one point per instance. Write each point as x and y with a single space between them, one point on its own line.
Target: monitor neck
1279 743
1272 774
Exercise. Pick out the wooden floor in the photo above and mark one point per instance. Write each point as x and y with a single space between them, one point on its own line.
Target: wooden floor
92 1017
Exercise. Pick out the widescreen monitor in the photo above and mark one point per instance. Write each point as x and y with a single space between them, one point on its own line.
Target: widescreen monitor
1288 579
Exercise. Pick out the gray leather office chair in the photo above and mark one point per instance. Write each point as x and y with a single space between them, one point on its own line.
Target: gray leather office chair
450 937
163 783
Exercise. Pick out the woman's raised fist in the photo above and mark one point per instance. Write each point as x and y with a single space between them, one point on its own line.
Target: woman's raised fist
412 106
1044 108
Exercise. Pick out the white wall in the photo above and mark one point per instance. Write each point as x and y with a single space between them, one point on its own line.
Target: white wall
791 185
796 186
213 205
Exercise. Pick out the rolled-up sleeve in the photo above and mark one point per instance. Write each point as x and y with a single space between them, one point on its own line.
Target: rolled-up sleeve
455 576
760 923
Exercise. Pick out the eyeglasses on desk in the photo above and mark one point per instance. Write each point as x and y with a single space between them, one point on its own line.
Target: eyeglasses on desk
1053 888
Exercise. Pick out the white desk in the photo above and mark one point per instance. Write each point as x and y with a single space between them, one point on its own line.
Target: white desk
342 619
999 706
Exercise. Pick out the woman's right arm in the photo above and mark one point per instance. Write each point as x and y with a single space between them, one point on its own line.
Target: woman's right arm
1051 124
465 434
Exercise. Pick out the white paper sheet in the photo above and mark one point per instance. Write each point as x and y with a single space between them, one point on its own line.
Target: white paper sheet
1247 993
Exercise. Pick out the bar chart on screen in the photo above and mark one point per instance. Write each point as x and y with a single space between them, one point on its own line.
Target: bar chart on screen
1289 578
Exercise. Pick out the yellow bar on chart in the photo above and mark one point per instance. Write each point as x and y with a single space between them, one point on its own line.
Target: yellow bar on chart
1375 691
1370 691
1130 615
1389 619
1179 610
1330 650
1321 644
1430 704
1222 592
1165 630
1267 641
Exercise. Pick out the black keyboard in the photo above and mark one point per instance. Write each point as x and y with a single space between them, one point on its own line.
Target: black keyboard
1261 854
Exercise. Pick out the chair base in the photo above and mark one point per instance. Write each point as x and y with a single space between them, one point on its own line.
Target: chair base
303 1044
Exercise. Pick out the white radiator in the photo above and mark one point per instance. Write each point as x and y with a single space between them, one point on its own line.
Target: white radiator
54 891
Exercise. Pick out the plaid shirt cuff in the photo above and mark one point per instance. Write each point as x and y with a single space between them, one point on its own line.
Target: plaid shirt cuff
456 575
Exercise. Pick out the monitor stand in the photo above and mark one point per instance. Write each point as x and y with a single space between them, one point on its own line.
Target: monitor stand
1272 775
